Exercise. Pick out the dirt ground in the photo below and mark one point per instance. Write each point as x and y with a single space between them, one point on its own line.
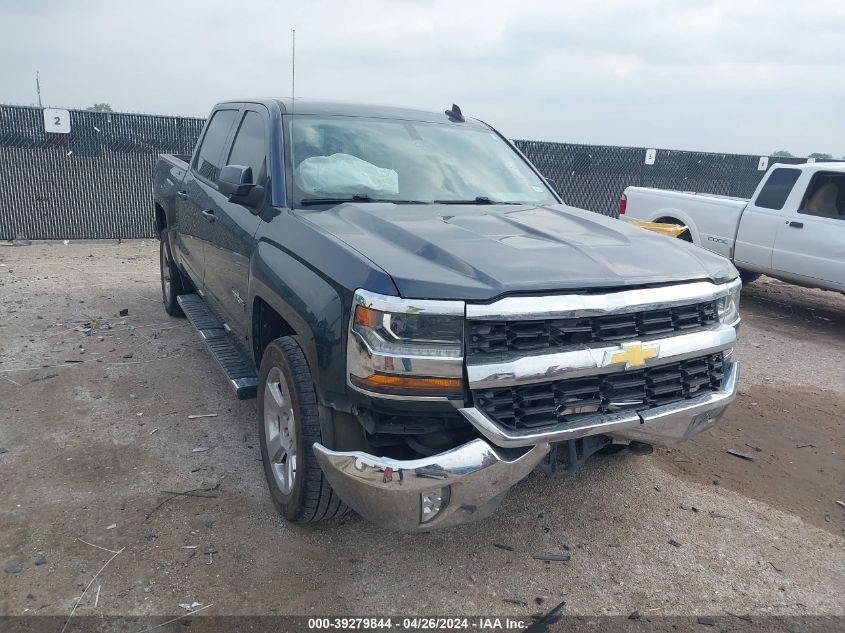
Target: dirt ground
95 427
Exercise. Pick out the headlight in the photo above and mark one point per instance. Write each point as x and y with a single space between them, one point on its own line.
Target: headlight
407 348
728 306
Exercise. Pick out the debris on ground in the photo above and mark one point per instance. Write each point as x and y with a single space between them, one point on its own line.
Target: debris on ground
552 616
539 600
88 586
562 558
841 503
805 446
740 454
744 618
775 566
41 560
200 449
187 493
190 606
195 416
716 515
112 526
507 548
674 543
635 615
3 450
14 568
705 621
124 312
515 601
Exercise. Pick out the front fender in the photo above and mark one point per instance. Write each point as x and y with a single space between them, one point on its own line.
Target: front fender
310 305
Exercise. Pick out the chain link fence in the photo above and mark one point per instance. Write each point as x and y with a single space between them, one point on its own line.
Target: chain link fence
95 181
595 176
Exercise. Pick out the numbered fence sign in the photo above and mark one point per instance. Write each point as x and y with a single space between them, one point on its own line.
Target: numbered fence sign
650 156
56 121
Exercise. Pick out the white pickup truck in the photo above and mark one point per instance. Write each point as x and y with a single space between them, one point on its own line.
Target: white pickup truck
793 228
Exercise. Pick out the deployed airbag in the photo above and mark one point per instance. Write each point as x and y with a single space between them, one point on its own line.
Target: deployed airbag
345 175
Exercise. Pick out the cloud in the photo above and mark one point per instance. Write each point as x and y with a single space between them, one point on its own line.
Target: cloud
722 76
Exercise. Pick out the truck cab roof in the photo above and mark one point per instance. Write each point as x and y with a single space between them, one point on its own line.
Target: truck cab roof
345 108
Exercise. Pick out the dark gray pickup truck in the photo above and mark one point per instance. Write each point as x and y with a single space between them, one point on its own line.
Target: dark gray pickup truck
423 321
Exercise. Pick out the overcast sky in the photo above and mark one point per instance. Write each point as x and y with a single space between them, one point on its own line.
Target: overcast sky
736 76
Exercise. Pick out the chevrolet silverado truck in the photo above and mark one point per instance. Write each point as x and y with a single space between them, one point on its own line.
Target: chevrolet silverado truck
421 319
793 228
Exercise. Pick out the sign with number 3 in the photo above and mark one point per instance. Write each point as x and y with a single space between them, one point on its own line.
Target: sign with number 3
56 121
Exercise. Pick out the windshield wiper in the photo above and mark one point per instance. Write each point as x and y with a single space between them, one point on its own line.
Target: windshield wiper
355 198
477 200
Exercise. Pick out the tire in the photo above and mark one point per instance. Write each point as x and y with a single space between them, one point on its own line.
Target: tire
171 279
747 277
288 426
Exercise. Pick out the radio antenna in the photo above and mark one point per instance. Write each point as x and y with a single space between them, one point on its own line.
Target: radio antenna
293 72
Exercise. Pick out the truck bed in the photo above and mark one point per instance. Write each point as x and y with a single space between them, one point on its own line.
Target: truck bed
712 219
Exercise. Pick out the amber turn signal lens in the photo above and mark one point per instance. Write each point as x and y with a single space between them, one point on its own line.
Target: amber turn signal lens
365 316
403 385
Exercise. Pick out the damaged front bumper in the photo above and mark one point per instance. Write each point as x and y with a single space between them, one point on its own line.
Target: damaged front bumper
468 483
464 484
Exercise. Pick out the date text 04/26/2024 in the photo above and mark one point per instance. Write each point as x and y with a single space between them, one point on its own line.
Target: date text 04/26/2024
419 623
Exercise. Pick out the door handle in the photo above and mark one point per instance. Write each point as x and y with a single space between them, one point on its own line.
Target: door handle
209 215
182 194
796 225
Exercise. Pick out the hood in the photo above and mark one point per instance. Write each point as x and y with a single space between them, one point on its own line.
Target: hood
479 252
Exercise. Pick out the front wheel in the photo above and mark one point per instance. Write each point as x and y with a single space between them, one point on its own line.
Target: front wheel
288 427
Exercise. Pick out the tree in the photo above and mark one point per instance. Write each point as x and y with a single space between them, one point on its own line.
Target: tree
100 107
782 152
820 155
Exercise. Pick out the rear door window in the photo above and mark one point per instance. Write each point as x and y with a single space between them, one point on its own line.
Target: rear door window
210 155
777 188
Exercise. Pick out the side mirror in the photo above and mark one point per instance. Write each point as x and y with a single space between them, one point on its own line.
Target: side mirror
236 183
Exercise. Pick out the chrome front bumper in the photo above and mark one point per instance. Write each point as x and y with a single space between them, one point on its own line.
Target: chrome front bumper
390 492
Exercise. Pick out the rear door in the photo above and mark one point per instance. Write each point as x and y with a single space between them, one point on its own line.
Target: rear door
810 243
761 220
197 195
231 240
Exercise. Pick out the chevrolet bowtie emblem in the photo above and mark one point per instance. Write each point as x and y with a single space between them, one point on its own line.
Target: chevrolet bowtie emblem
632 354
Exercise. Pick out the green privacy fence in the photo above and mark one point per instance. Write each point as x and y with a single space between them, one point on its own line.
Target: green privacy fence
90 175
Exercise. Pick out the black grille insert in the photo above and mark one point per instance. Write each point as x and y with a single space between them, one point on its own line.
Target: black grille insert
562 401
490 337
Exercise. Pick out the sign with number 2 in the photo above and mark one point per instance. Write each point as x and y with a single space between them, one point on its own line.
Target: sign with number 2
56 121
